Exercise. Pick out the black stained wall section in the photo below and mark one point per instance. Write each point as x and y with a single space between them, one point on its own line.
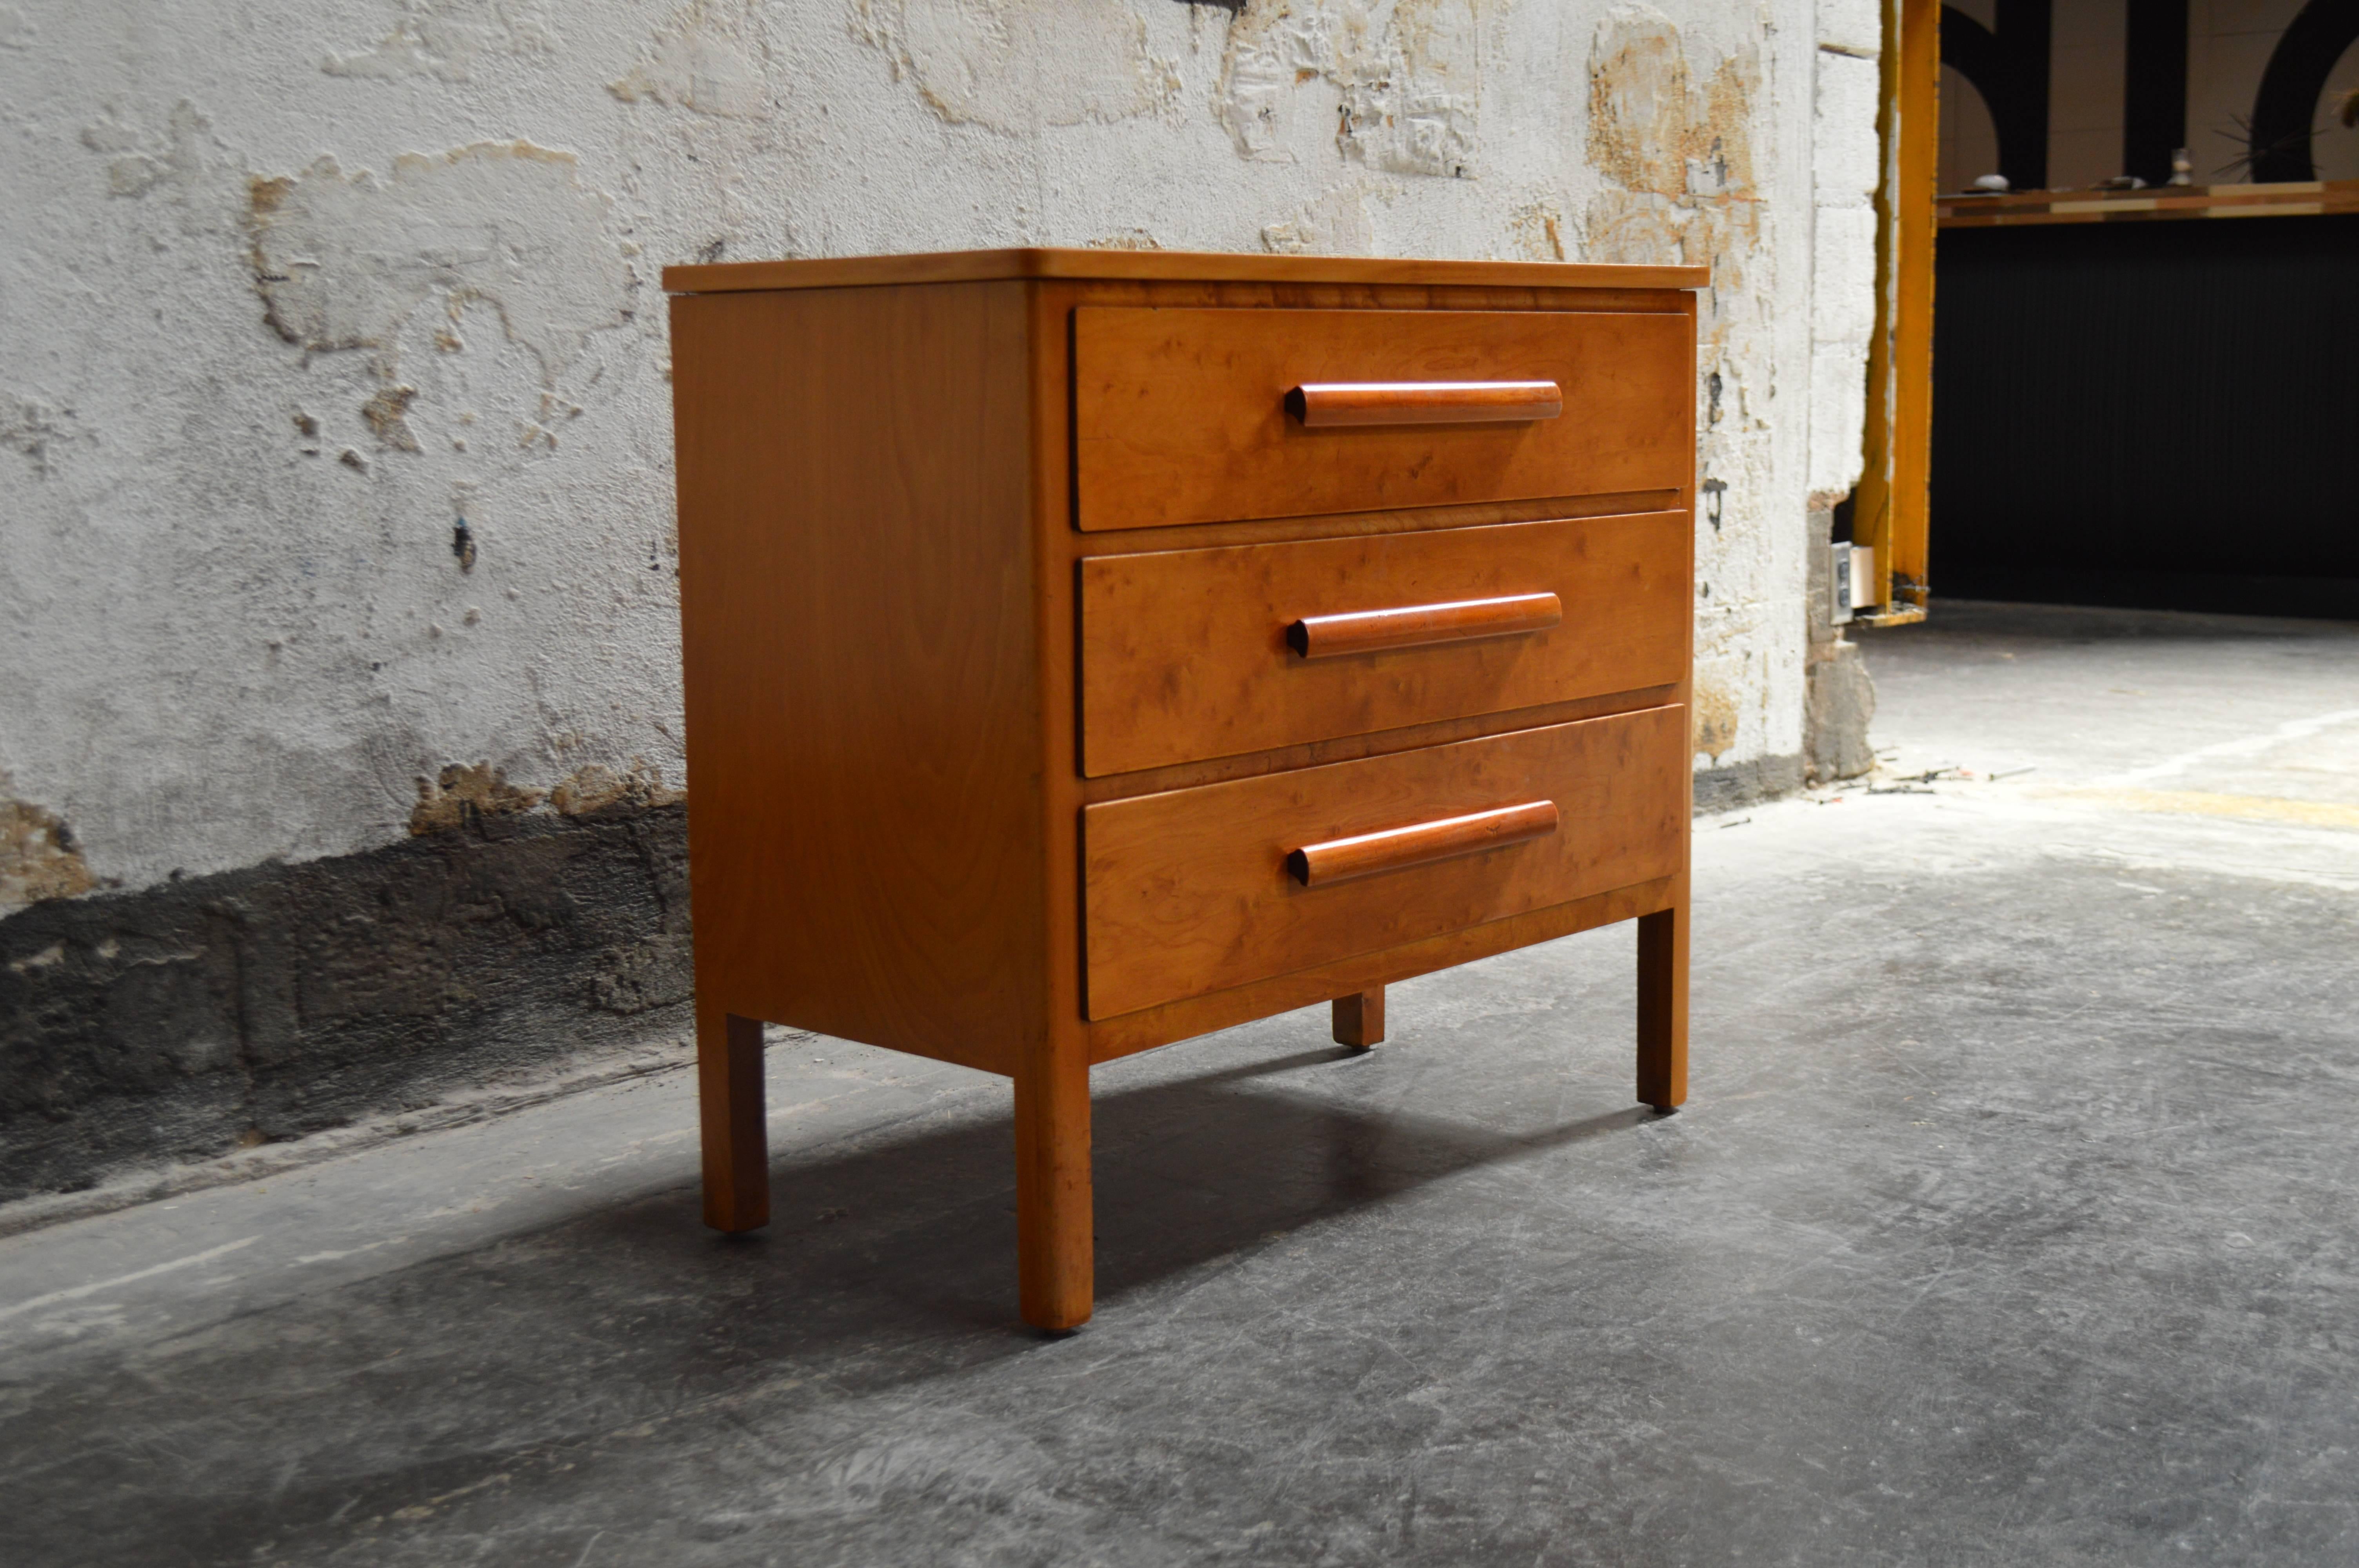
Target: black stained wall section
2162 414
176 1022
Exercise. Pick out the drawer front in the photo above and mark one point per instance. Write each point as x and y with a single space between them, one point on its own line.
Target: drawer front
1182 415
1185 653
1191 892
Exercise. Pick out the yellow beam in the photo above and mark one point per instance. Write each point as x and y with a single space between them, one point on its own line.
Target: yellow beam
1891 508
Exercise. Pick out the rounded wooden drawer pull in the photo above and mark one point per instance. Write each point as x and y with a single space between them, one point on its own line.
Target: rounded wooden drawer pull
1329 403
1418 625
1339 860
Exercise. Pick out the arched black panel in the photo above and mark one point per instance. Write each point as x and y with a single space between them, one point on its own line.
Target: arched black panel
2154 88
1975 88
1968 47
2297 75
2009 70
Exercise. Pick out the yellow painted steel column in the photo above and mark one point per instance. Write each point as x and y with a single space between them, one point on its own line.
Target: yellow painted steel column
1890 507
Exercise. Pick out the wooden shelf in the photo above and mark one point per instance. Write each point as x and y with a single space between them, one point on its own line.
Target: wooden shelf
2302 199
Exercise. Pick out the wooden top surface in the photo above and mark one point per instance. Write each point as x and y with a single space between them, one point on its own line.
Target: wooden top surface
2300 199
1183 267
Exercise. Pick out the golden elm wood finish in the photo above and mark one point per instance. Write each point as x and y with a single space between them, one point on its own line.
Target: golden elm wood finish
1191 653
1113 1038
1358 1020
735 1138
1663 1000
1189 890
1181 415
938 661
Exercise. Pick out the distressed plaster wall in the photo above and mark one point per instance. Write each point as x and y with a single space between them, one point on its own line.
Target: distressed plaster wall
334 433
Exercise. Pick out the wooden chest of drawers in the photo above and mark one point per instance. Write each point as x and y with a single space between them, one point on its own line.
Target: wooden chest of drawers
1087 650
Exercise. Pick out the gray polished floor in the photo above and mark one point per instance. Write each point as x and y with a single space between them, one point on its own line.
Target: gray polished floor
2015 1219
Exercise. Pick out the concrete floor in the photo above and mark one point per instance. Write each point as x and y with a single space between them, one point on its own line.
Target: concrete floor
2015 1221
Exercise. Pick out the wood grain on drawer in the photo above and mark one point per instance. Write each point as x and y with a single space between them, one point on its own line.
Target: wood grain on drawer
1188 892
1185 657
1180 416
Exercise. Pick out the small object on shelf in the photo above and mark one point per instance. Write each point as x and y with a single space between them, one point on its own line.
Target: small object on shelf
1996 184
2120 182
2183 167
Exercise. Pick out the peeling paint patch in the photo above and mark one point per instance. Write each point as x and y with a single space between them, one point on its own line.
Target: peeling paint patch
1536 232
1652 126
1413 108
1642 228
1125 240
348 263
342 263
464 794
384 414
1677 153
1715 711
592 789
38 858
710 59
139 160
1271 52
1408 76
1336 224
1015 65
445 38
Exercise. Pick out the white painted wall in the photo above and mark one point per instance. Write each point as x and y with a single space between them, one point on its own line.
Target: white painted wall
1847 168
291 287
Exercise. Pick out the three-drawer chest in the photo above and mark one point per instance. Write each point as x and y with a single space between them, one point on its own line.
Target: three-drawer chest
1090 649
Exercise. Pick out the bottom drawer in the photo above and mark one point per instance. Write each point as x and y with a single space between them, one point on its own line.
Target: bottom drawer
1199 890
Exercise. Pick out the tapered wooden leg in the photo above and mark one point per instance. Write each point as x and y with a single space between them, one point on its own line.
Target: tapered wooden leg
736 1134
1359 1020
1663 1005
1055 1223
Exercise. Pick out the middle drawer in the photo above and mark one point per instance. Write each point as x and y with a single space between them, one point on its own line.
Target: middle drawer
1185 653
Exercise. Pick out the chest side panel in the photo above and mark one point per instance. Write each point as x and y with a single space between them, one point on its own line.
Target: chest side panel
860 650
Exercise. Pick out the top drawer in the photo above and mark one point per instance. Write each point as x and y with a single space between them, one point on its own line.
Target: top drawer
1182 417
